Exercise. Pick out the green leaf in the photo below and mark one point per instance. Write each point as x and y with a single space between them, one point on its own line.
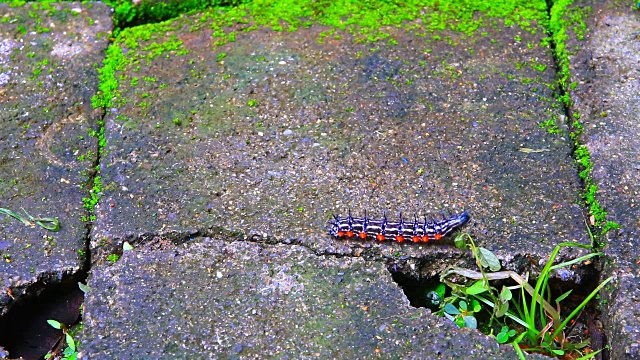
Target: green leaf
516 346
440 289
476 305
505 294
488 259
505 334
563 296
70 342
459 242
463 305
502 308
67 353
477 288
502 338
470 322
450 309
17 216
55 324
51 224
84 288
449 317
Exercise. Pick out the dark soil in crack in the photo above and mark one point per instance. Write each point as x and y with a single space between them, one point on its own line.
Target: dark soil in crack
24 331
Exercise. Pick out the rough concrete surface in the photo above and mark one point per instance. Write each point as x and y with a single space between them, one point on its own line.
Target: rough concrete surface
47 78
269 135
213 299
607 69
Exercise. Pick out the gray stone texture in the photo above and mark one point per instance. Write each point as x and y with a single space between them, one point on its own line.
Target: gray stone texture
48 59
213 299
606 67
271 134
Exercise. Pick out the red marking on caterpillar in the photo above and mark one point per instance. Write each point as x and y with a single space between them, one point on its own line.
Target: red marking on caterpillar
400 231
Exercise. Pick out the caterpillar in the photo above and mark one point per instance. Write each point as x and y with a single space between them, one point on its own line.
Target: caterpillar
399 231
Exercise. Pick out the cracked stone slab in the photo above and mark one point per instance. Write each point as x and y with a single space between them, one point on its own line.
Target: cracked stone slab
607 69
209 298
47 78
269 135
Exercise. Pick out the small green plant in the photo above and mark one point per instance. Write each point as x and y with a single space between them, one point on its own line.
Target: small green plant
70 352
534 311
463 314
113 258
51 224
505 334
550 126
252 103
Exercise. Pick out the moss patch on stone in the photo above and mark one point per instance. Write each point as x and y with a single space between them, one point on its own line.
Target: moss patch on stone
127 14
366 19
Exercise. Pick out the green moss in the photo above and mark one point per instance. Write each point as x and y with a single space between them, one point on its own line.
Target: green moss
551 126
127 14
583 158
366 20
565 20
537 66
94 196
116 63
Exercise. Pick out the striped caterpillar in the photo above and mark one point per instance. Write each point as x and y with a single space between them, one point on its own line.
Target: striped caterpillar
399 231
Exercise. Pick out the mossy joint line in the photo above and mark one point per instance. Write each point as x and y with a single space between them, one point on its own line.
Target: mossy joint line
562 17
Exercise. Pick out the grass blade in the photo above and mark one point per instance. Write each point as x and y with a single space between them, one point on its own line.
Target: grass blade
579 307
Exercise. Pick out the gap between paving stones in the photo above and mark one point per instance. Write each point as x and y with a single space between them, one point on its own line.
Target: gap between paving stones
367 250
260 301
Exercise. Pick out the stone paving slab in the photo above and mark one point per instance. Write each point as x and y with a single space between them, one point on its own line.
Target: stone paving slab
269 135
265 137
48 55
607 70
213 299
